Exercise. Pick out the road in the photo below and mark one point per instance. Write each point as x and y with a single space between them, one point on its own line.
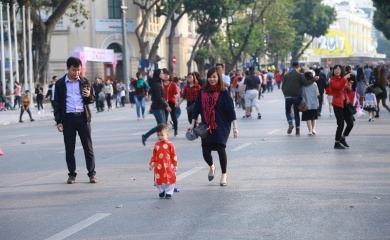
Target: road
279 186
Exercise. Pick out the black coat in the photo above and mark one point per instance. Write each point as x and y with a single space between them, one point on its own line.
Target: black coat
59 104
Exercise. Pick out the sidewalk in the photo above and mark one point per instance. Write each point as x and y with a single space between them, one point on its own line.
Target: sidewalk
12 116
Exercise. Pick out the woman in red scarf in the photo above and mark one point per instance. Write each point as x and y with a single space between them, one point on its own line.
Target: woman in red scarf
216 108
340 89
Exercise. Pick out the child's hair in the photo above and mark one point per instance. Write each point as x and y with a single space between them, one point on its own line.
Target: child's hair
369 90
27 91
162 127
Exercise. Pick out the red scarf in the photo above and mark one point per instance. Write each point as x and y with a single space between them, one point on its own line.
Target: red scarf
209 100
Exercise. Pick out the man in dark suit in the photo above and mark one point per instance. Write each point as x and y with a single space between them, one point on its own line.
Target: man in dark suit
72 97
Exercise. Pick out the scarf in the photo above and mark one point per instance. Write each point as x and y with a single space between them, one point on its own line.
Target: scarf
209 100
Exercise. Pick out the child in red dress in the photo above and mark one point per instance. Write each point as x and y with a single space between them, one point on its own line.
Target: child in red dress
164 162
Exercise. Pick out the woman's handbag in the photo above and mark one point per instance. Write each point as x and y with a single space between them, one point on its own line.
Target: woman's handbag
201 130
351 109
302 107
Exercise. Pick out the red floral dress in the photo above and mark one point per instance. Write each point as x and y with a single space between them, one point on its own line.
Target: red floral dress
164 159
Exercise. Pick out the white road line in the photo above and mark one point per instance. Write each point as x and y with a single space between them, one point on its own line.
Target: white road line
188 173
76 148
138 133
79 226
273 131
240 147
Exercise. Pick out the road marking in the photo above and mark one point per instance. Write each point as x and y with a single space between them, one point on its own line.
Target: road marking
273 131
240 147
188 173
79 147
78 227
138 133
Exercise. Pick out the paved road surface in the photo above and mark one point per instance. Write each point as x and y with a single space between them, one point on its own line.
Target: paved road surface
279 186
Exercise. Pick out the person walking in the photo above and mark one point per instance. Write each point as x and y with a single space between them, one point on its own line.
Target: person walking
17 94
39 93
73 94
340 89
108 89
159 105
381 83
170 93
141 89
97 87
25 106
370 104
190 93
50 90
292 90
310 95
164 163
215 106
361 84
252 85
321 84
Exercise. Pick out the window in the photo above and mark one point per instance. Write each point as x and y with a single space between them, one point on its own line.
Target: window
114 9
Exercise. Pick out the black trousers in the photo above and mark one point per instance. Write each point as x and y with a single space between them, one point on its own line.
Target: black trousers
206 150
173 115
22 111
342 115
78 125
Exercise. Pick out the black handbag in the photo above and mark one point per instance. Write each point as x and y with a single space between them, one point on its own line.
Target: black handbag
201 130
351 109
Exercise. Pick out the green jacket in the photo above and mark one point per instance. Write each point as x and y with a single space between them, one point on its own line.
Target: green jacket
293 82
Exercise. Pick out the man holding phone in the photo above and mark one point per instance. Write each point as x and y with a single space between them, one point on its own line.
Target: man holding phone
73 94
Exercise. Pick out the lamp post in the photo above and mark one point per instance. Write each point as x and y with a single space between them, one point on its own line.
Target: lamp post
124 51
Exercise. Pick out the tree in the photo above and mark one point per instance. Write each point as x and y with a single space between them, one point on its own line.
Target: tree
382 17
43 29
159 8
311 20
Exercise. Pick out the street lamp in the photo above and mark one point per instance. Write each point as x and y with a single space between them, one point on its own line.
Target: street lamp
124 51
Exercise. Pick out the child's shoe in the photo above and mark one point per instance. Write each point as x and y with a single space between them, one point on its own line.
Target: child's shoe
162 195
168 196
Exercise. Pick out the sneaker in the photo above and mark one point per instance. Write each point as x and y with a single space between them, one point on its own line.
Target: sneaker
93 179
330 114
168 196
369 120
32 120
338 145
39 112
309 134
20 121
143 138
71 180
176 133
162 195
376 116
344 143
290 128
259 116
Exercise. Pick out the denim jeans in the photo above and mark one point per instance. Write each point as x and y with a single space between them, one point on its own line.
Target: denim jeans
293 101
139 104
17 101
159 114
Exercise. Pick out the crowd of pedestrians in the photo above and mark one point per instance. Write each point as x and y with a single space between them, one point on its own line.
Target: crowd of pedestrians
210 102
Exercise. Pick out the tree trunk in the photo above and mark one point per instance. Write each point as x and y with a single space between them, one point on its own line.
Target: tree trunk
41 42
189 63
